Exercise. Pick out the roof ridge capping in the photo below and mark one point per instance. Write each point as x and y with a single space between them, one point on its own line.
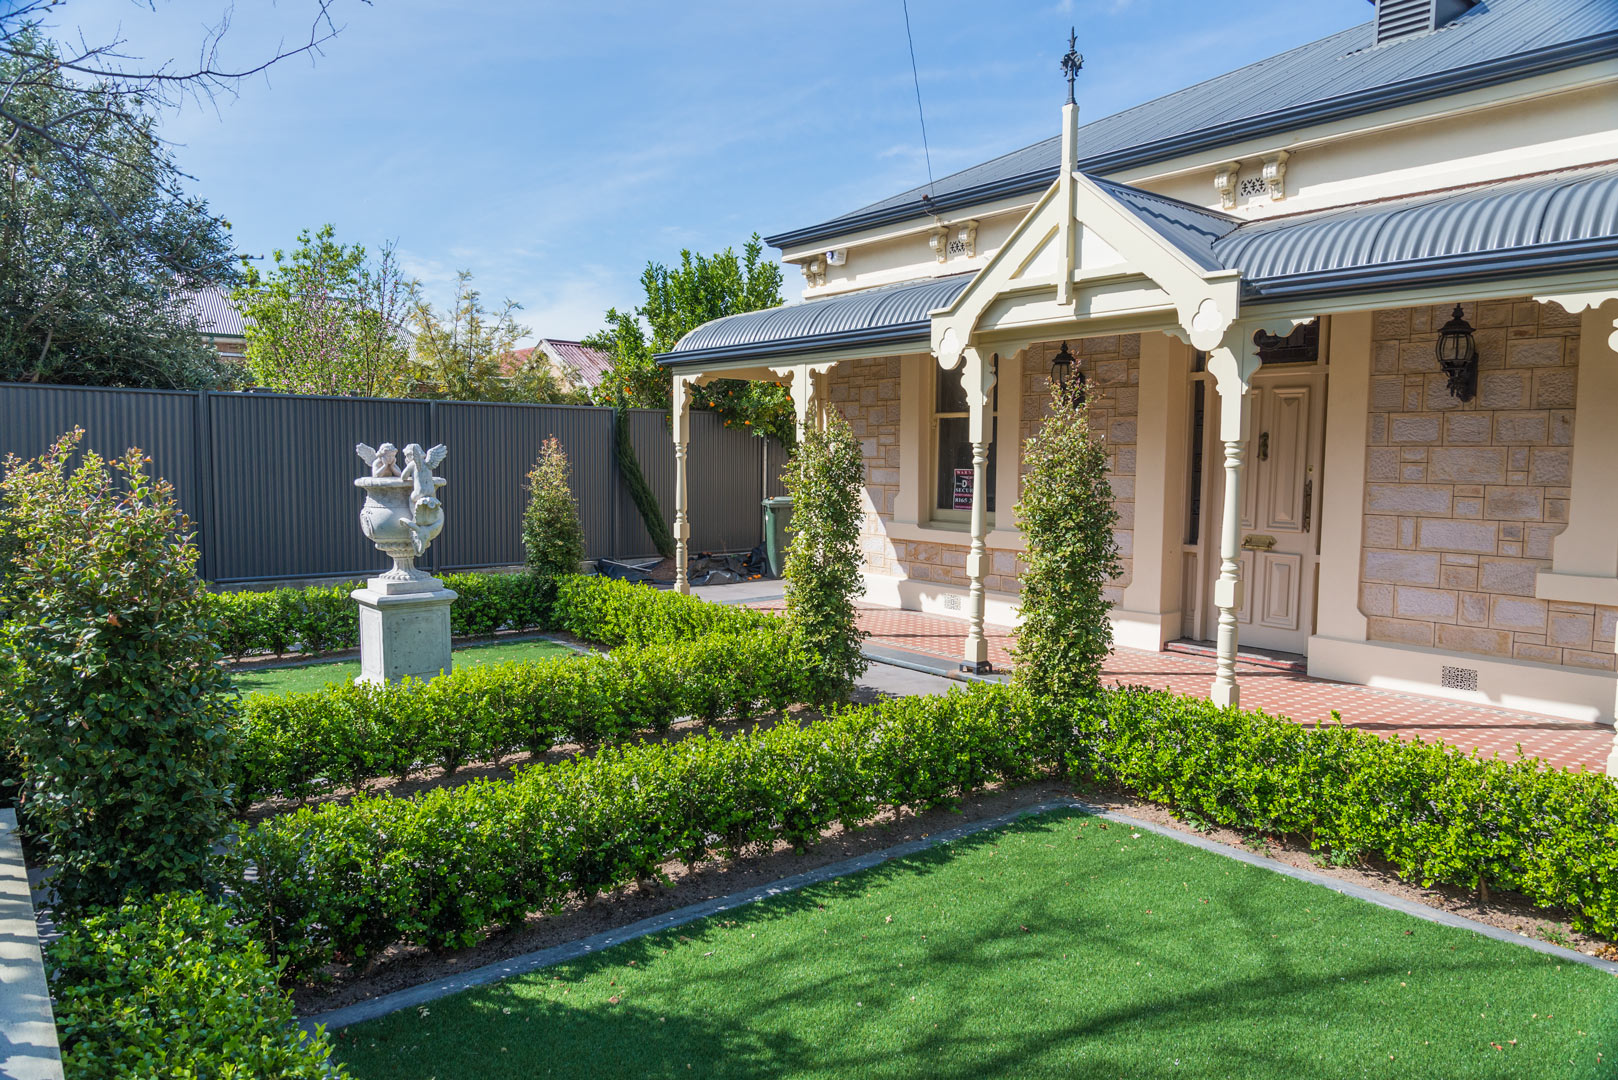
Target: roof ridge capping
1493 42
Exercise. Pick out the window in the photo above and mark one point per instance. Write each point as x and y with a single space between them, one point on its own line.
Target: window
952 449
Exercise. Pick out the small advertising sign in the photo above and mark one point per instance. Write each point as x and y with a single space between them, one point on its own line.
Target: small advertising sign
963 489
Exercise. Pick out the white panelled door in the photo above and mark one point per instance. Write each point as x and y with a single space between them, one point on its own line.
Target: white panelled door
1280 501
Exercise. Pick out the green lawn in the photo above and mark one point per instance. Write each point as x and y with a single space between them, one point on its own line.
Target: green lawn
301 680
1061 947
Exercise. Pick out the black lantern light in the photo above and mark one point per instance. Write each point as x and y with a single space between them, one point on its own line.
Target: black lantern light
1458 357
1069 381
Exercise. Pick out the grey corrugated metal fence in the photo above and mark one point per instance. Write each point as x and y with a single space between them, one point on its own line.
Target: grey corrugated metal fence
268 478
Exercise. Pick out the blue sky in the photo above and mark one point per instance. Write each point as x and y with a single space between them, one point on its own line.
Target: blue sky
553 148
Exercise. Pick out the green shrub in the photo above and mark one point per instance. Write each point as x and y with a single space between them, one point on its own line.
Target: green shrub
1437 814
552 537
295 744
341 882
170 989
124 715
614 613
827 480
1066 516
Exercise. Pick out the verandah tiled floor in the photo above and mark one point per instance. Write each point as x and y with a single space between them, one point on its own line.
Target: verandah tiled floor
1490 730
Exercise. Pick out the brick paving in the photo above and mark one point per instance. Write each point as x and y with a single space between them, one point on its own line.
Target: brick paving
1560 743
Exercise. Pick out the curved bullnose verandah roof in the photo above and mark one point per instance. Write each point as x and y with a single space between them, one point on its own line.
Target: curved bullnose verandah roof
1562 222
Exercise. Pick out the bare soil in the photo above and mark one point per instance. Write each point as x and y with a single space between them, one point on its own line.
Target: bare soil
404 966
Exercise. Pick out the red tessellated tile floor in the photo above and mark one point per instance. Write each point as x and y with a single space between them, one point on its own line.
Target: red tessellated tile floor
1389 713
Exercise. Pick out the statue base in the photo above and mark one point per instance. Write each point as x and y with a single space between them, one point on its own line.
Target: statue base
404 629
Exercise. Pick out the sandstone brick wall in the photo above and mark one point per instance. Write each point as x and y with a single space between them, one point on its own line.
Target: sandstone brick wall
1112 365
1462 502
867 393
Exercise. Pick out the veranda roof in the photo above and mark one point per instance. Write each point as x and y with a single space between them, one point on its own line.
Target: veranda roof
1550 223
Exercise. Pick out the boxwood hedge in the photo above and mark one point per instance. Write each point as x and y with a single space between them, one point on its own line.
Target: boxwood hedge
341 882
172 989
291 745
322 619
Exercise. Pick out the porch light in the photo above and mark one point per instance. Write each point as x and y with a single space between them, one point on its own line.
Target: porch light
1458 357
1068 380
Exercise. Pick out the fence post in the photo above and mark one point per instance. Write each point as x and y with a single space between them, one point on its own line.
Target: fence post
202 449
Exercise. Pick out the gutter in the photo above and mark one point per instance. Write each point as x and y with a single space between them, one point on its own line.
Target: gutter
908 333
1562 257
1456 80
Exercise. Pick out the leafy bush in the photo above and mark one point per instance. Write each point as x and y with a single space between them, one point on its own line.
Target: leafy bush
348 734
324 619
318 618
614 613
827 480
1066 515
123 714
170 989
345 881
552 537
1434 812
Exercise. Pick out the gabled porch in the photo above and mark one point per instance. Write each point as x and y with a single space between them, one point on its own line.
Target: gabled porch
1355 507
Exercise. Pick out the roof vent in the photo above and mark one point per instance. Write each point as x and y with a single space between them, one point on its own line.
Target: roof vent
1402 18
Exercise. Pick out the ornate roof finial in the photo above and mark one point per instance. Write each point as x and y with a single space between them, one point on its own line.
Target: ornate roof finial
1072 62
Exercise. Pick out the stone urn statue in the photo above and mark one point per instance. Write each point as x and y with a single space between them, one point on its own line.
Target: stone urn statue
402 513
404 612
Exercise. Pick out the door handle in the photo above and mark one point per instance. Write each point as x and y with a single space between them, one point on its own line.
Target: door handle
1308 501
1264 446
1258 542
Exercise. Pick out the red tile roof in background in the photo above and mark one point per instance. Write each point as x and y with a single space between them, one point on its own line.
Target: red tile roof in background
589 364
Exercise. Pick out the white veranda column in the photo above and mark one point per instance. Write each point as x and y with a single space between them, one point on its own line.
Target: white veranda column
681 423
977 379
1232 365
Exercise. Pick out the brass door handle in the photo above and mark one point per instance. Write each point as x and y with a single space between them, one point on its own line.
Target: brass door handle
1258 542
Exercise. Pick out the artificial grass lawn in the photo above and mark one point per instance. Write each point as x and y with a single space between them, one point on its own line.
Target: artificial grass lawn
1064 946
302 680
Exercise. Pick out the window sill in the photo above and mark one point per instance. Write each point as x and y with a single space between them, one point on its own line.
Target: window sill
949 532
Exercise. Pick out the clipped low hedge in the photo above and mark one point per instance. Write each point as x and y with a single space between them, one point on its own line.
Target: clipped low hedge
320 619
614 613
172 989
347 734
1437 814
341 882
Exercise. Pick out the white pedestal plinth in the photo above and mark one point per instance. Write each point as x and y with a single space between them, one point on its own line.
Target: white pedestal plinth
404 629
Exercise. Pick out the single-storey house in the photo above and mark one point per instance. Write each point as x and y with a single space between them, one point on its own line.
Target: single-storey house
1346 318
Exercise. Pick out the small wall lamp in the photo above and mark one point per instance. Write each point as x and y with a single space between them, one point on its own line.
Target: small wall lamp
1458 356
1069 381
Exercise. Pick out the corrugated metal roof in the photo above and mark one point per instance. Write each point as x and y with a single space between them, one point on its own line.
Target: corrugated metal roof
216 313
889 314
1539 217
589 364
1345 74
1556 221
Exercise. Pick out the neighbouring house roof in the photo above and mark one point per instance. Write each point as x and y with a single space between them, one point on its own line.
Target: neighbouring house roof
216 313
1336 77
1553 222
589 364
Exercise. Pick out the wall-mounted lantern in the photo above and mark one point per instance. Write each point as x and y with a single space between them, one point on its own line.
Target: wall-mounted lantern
1458 356
1068 379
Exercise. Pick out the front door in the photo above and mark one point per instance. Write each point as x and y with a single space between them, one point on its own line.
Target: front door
1280 501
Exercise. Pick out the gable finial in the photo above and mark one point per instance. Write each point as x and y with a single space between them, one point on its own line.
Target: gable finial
1072 62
